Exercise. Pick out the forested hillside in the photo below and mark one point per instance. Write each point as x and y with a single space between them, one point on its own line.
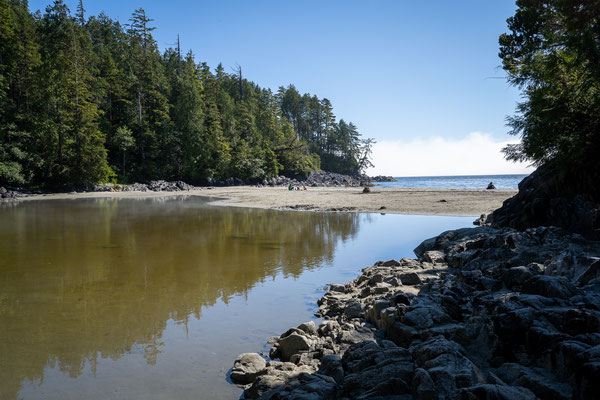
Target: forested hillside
89 99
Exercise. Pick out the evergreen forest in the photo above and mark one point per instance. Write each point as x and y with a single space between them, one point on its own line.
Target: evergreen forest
88 99
552 53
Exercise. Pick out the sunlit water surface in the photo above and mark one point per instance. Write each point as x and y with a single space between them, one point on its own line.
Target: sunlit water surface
153 298
456 182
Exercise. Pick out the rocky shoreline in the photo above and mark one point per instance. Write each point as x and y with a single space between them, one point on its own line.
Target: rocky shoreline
482 313
315 179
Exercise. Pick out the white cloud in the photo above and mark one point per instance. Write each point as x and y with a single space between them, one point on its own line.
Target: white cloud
476 154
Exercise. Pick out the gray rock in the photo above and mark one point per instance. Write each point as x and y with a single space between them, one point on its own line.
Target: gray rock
549 286
389 263
426 245
291 345
591 273
516 276
423 385
539 382
308 327
353 310
448 367
374 370
331 365
410 278
357 336
336 288
381 288
434 256
247 367
377 278
266 385
496 392
330 327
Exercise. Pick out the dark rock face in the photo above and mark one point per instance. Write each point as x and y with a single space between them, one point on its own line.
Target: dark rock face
486 314
549 197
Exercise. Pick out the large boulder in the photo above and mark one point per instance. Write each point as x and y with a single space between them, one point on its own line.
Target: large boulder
292 344
247 367
496 392
549 286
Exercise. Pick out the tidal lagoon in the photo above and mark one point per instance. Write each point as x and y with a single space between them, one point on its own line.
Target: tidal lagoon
152 298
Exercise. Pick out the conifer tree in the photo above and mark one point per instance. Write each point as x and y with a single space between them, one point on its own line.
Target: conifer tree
81 96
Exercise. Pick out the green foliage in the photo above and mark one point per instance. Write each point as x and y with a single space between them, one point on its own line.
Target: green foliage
553 53
81 98
123 139
337 145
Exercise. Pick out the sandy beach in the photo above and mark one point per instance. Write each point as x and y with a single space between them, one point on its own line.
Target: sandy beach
459 202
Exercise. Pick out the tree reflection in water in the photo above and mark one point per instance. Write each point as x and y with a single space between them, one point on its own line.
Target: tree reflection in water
84 280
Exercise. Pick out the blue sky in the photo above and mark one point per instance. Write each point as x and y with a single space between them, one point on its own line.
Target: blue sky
410 74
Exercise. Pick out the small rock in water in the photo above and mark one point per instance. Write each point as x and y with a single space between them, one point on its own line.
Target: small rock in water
481 220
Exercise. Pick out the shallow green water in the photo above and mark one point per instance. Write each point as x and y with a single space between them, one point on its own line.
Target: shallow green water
153 298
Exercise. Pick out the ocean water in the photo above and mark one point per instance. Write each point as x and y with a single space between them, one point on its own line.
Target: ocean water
456 182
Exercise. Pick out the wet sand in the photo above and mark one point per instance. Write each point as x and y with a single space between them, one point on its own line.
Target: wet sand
460 202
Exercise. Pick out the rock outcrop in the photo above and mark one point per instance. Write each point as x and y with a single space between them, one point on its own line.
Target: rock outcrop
553 197
382 178
159 186
11 193
482 313
320 179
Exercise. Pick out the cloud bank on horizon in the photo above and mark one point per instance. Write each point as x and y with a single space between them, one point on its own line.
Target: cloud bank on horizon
476 154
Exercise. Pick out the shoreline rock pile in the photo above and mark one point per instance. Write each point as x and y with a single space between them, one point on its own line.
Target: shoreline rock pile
382 178
320 179
152 186
9 192
159 186
315 179
483 313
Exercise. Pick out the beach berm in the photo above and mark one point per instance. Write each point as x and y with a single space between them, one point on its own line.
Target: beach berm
459 202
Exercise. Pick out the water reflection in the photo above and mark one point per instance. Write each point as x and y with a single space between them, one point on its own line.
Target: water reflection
87 280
